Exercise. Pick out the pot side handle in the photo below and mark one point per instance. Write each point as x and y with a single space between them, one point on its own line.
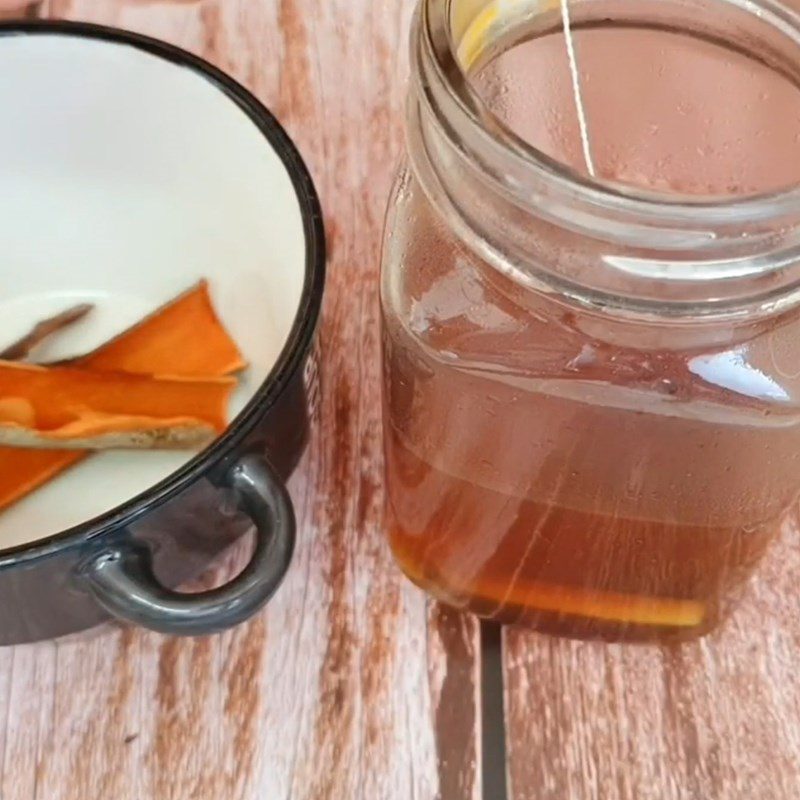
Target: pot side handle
121 578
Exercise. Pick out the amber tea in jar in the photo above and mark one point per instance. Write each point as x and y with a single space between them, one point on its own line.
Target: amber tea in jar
590 294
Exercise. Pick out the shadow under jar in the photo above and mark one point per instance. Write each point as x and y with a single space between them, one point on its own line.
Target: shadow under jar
592 345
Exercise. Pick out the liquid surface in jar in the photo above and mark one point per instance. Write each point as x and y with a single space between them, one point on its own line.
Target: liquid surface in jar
539 474
663 110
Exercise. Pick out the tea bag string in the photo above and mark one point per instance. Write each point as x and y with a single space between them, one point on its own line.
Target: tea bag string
576 88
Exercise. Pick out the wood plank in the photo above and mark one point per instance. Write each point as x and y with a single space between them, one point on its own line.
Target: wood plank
339 689
714 719
454 660
16 9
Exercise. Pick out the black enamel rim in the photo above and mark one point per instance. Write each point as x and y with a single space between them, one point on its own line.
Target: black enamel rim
299 341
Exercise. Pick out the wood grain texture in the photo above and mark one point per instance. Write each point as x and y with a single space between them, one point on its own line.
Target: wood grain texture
719 719
453 642
339 689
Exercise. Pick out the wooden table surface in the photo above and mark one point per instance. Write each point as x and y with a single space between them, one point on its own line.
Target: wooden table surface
352 685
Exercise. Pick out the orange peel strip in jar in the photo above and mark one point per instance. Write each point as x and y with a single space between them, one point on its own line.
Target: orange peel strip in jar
609 606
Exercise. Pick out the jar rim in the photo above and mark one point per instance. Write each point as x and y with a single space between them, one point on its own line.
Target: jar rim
642 255
630 200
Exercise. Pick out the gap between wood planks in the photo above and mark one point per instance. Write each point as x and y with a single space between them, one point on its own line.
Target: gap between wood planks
493 727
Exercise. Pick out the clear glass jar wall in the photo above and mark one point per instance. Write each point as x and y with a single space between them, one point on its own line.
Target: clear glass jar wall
592 370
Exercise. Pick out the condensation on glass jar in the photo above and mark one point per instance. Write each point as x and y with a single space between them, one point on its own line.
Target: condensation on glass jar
592 382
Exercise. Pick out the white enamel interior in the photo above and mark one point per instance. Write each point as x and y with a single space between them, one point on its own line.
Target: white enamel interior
124 178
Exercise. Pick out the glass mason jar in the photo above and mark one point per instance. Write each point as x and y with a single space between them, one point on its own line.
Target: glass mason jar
592 381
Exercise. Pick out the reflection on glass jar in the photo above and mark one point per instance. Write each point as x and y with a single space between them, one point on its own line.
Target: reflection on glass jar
592 382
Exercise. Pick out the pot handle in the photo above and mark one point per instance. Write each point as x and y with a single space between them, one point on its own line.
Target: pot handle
122 581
